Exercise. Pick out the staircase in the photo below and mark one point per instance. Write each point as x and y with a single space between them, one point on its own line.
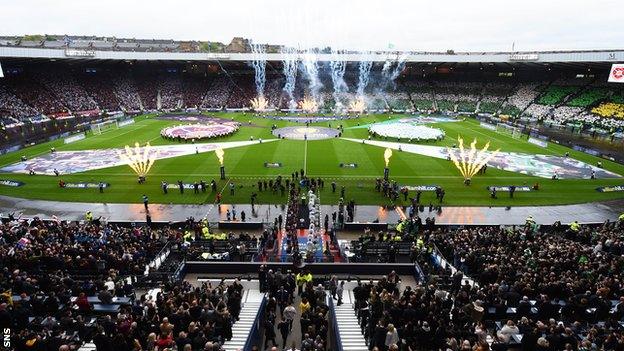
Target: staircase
349 329
90 346
242 328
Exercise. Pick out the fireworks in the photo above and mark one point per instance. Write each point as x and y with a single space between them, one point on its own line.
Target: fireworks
308 105
139 159
219 153
358 105
469 162
259 104
387 155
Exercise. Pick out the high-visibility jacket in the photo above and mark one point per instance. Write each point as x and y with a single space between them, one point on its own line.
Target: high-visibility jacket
575 226
303 278
188 236
300 279
206 233
399 227
420 243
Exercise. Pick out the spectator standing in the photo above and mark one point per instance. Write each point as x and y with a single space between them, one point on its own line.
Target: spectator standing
284 328
339 292
289 314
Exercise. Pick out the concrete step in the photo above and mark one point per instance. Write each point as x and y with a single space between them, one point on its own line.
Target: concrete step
235 344
352 339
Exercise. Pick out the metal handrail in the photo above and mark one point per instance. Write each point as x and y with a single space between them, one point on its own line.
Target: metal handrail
255 333
337 340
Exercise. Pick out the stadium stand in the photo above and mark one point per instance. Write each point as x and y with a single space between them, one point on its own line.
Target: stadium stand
127 94
170 92
53 91
421 94
555 94
218 93
589 97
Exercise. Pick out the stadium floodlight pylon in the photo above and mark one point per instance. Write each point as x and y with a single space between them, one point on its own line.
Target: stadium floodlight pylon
471 161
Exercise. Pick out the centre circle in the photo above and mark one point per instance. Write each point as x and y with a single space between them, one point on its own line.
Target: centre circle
306 133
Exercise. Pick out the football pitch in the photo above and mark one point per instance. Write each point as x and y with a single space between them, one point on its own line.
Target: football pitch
245 166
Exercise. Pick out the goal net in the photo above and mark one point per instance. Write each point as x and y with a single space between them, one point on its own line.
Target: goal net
512 131
99 128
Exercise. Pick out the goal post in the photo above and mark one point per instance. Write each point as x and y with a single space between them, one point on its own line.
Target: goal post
99 128
512 131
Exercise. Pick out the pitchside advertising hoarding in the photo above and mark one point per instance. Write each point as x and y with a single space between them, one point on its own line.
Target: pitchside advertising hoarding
617 73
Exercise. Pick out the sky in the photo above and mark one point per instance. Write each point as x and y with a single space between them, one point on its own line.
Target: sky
417 25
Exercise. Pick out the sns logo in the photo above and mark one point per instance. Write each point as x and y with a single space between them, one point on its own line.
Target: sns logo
6 338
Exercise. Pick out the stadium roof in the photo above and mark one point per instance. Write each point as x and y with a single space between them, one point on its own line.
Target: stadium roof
94 50
95 53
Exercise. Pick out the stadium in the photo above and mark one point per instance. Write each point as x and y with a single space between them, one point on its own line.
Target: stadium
192 195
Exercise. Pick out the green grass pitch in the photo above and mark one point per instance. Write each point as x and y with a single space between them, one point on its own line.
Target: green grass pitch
245 166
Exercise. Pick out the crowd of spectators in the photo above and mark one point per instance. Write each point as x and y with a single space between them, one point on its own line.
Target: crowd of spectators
56 92
147 90
227 247
493 95
27 88
563 284
218 93
12 107
50 268
127 94
421 93
243 91
398 100
194 90
538 111
556 288
273 91
170 91
291 299
64 284
68 90
523 95
101 89
555 94
457 95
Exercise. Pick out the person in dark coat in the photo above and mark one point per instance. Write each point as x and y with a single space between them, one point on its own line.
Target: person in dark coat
284 328
269 333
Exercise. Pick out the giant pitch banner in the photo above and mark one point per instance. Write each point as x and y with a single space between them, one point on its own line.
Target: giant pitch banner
617 73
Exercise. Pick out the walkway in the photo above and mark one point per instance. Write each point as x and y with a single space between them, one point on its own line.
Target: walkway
349 329
251 300
248 314
584 213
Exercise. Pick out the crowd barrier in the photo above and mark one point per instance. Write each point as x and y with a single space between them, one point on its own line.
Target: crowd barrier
344 269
